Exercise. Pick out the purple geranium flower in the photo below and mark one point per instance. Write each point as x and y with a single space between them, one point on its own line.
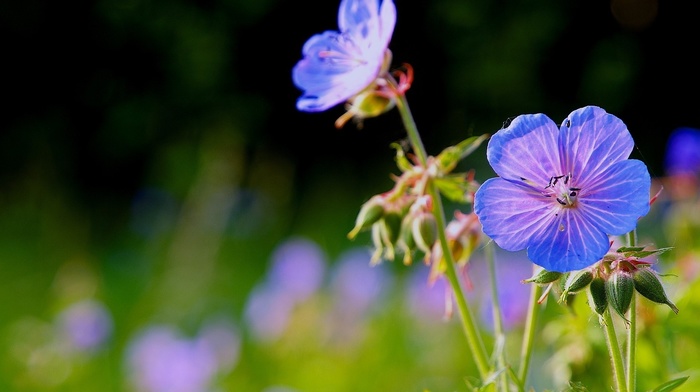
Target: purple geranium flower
562 190
338 65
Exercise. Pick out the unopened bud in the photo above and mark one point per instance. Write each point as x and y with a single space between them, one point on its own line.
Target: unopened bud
647 283
544 277
598 299
370 212
575 282
425 231
619 288
365 105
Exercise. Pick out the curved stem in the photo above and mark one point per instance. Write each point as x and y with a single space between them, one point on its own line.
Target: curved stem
529 333
471 332
614 350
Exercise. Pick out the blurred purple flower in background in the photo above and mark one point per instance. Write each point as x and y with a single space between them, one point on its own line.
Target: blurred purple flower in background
683 152
87 324
297 271
356 285
427 301
513 294
267 312
159 359
298 268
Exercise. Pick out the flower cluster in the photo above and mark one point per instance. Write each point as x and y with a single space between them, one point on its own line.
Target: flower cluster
403 219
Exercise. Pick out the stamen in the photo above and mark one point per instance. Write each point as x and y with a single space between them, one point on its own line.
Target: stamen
558 188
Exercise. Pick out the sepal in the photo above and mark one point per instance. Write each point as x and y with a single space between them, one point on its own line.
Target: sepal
619 289
647 283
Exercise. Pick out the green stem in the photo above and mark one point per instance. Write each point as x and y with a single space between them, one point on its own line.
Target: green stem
474 340
497 317
614 349
529 333
632 331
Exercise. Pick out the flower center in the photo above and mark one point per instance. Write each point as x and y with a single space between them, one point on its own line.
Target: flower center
562 190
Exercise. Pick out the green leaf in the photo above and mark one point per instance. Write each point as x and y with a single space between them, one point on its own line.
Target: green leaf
627 249
450 156
639 252
670 385
453 190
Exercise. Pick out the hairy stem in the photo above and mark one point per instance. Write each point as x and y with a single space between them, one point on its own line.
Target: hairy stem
632 330
614 350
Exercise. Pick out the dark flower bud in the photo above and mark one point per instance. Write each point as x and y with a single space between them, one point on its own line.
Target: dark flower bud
575 282
647 283
544 277
619 289
598 299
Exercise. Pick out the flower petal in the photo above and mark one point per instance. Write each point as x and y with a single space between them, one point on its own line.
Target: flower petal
510 212
526 150
591 140
331 71
618 197
368 21
336 66
571 242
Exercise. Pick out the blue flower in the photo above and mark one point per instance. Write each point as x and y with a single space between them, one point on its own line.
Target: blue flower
337 66
562 191
683 152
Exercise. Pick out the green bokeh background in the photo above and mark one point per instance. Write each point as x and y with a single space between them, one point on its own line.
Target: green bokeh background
152 158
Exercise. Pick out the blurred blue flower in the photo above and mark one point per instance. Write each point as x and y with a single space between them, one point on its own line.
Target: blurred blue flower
297 271
683 152
298 268
160 360
562 191
87 324
267 312
428 300
337 65
357 285
513 295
